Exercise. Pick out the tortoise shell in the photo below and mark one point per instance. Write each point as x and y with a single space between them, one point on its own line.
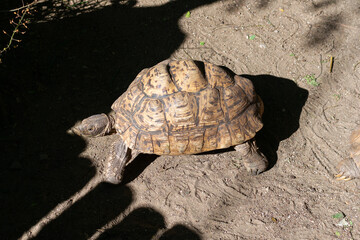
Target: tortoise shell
187 107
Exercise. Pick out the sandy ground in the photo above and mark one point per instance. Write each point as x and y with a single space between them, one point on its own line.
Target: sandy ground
76 59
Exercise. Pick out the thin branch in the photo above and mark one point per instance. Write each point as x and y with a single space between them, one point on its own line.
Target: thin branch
25 6
60 209
14 32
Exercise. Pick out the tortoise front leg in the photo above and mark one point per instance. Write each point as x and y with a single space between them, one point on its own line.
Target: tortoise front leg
255 162
115 163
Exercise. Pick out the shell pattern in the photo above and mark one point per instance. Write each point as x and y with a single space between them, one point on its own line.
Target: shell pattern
187 107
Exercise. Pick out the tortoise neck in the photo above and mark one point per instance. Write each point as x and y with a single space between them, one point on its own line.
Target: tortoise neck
111 123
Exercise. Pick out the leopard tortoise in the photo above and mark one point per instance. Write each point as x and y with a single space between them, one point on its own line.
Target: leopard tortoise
349 168
180 107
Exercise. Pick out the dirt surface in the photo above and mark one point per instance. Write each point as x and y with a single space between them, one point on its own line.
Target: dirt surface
77 59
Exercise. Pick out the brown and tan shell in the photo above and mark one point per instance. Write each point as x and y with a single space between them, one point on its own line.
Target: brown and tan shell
187 107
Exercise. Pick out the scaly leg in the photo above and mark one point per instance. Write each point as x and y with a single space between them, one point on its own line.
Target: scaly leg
255 162
350 168
115 163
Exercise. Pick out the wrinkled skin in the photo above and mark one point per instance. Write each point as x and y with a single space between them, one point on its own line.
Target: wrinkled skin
94 126
254 161
99 125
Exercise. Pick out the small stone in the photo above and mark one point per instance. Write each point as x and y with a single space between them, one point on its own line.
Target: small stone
262 46
256 222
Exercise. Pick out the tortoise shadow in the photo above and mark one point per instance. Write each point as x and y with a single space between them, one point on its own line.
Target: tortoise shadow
283 103
137 166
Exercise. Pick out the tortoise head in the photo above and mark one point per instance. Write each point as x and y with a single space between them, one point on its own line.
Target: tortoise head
94 126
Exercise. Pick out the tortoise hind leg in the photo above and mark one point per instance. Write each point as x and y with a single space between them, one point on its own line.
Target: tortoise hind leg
115 163
348 169
255 162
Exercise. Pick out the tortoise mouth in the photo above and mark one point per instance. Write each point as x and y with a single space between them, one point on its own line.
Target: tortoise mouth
76 131
80 130
93 126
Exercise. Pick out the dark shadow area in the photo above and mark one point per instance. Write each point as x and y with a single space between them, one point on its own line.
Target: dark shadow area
263 4
322 4
234 5
65 70
137 166
319 33
101 205
180 232
217 151
321 28
283 103
142 223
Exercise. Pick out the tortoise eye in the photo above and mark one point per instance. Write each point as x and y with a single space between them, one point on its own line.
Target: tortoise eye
90 129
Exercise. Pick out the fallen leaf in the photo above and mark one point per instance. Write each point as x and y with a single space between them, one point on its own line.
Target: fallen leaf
338 215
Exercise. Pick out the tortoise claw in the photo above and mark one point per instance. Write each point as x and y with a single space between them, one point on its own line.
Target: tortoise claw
344 179
338 175
341 177
347 169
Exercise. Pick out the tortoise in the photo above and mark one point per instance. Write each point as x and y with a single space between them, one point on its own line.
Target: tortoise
180 107
349 168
